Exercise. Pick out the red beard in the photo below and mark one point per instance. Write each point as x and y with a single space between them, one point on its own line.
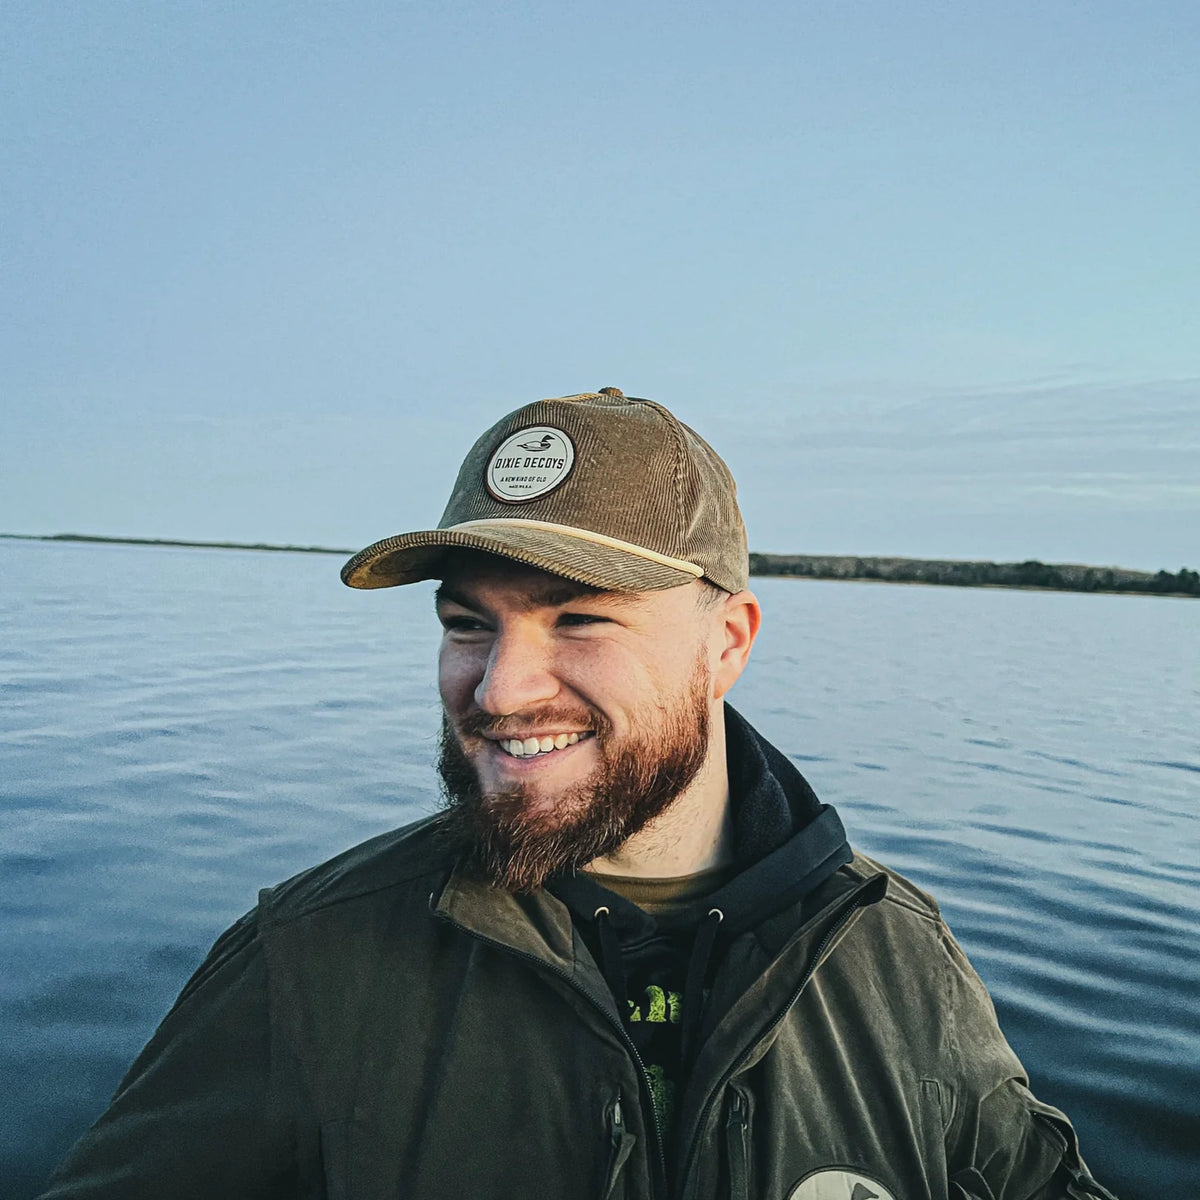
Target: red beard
503 839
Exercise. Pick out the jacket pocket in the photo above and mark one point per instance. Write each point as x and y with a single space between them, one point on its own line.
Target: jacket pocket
620 1146
737 1145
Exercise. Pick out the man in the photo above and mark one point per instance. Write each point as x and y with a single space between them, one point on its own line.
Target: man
634 956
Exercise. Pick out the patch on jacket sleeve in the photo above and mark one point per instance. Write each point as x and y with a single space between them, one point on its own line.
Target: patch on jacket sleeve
839 1183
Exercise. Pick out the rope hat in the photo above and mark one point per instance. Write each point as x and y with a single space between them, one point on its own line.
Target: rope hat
607 490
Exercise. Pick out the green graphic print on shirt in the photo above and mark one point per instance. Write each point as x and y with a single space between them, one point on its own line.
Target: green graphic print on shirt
659 1046
656 969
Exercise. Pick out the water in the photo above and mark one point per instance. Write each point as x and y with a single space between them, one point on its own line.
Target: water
180 727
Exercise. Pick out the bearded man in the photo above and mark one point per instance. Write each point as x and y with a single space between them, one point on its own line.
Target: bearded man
634 956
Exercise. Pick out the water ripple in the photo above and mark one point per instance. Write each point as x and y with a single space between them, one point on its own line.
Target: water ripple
178 732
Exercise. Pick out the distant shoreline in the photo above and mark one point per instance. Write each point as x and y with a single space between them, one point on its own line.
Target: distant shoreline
1058 577
136 541
1054 577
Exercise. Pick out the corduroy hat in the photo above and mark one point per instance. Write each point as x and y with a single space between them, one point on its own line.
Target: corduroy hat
601 488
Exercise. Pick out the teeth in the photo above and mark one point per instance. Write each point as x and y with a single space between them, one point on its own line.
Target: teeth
527 747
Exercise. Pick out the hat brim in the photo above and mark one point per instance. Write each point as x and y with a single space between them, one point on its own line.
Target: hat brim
412 557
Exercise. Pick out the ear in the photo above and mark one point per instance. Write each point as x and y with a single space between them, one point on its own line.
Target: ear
740 616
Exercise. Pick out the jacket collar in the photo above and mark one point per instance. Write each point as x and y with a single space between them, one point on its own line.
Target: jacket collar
537 927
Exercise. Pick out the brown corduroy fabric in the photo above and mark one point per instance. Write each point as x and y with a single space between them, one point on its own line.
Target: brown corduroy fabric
632 500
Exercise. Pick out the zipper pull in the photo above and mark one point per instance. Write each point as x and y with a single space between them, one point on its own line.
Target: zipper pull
737 1145
621 1143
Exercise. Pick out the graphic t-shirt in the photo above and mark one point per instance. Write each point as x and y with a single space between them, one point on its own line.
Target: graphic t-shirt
656 968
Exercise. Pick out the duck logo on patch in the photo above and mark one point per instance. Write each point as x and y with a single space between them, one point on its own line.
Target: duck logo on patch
838 1183
529 464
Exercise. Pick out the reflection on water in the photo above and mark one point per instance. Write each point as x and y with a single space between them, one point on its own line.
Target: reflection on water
180 727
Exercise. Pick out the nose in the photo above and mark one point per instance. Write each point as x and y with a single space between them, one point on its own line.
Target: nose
518 675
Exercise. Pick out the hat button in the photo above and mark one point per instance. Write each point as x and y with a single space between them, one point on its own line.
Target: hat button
611 392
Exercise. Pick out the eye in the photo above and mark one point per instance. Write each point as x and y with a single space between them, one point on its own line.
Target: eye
578 618
460 624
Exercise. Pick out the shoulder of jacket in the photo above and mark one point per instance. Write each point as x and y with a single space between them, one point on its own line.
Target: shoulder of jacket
387 863
901 892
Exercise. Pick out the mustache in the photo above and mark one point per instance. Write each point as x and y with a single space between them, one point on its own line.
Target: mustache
479 724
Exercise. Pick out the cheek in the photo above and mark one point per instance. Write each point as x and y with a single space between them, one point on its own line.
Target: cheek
679 671
624 689
458 676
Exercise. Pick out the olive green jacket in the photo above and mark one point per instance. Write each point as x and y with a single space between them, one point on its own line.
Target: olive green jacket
382 1028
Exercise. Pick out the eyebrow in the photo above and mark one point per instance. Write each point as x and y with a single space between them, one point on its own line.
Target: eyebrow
549 595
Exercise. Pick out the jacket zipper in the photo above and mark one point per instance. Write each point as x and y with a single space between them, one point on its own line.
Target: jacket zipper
737 1144
857 902
659 1184
621 1141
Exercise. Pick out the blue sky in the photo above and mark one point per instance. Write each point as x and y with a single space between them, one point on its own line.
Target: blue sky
927 274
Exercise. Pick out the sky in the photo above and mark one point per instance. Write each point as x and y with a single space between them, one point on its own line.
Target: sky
927 275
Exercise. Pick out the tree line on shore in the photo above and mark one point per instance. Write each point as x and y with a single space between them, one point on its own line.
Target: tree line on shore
1067 577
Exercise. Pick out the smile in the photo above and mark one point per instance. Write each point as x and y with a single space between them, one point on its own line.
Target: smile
528 747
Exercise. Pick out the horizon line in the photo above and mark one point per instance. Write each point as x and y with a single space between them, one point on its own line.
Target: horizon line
290 548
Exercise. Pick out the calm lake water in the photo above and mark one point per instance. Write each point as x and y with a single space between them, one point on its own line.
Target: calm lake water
180 727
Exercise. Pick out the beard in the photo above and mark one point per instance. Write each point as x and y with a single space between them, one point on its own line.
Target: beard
512 842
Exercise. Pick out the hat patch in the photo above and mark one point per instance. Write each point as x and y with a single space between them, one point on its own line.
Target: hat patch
529 463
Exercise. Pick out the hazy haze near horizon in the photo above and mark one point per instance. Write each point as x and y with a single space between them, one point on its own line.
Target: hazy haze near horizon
926 277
